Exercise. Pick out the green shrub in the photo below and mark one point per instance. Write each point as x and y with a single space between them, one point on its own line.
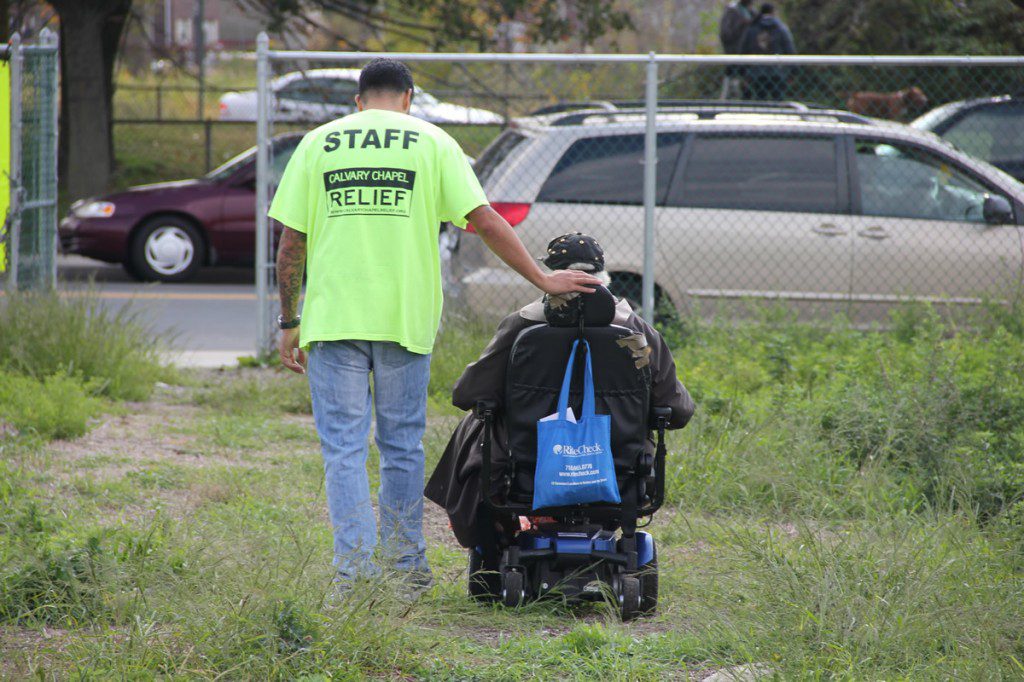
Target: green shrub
42 334
57 406
826 419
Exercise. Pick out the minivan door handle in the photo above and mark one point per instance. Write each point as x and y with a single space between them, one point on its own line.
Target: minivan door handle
874 232
829 230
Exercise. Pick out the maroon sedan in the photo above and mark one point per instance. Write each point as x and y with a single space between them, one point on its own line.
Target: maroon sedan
169 230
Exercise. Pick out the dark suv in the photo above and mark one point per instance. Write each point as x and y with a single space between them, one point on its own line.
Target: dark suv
990 128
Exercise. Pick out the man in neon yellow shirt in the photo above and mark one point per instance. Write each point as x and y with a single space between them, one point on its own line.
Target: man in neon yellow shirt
362 200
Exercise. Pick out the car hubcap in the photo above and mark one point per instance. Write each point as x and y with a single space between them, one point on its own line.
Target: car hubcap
169 250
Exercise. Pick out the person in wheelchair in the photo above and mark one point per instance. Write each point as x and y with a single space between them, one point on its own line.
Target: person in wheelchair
455 483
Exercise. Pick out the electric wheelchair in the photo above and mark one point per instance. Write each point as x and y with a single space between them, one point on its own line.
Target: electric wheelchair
591 551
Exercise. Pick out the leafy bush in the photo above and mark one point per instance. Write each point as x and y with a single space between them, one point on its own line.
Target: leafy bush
58 406
42 334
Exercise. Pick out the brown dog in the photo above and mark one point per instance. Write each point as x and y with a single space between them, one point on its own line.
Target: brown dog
892 105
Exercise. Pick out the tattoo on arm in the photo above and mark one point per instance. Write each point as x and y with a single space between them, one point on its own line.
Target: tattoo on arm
291 263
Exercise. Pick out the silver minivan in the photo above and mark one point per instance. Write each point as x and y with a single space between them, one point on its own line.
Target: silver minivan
826 211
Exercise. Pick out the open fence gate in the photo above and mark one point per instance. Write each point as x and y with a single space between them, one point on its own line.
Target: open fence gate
28 238
701 204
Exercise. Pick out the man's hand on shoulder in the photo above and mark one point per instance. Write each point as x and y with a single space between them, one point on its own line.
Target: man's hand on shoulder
566 281
292 357
503 241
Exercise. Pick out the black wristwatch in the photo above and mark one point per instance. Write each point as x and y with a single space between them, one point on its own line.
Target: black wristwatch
288 324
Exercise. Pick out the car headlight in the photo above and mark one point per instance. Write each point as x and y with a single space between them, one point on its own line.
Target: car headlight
92 209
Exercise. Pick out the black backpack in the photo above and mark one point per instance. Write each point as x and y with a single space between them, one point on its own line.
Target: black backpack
761 39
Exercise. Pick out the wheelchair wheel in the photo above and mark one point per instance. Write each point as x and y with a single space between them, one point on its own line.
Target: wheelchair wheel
649 586
484 581
629 597
512 590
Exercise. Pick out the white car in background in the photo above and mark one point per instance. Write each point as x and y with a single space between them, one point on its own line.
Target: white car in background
323 94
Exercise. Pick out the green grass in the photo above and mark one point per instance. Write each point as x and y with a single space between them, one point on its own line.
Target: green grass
63 359
845 505
113 351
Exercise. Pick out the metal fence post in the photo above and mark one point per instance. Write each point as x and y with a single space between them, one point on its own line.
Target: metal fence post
264 338
48 147
650 181
16 189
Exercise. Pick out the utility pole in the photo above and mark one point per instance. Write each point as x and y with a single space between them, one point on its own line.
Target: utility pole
168 27
5 20
199 42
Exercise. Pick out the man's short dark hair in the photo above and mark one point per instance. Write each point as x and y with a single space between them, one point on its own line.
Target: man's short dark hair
767 8
387 75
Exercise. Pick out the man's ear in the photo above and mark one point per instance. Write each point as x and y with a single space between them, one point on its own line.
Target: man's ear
407 101
359 103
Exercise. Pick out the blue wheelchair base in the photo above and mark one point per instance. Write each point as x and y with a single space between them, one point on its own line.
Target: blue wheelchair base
590 564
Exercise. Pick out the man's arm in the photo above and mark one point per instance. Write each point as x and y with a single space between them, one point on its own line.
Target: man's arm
291 263
503 241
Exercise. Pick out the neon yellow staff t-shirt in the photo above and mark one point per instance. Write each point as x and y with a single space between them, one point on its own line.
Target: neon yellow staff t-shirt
370 192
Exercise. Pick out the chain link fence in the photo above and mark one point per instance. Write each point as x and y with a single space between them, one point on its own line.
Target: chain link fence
30 225
830 185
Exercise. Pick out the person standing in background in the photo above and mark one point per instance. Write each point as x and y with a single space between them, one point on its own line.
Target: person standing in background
767 35
733 26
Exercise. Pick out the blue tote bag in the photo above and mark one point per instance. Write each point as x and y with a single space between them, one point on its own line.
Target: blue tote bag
574 459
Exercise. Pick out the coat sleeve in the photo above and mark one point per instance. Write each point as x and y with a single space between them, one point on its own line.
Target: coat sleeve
787 41
484 379
666 388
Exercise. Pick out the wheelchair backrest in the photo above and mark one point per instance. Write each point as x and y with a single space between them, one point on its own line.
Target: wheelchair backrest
536 368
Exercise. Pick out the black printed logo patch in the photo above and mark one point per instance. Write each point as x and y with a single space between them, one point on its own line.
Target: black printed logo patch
369 191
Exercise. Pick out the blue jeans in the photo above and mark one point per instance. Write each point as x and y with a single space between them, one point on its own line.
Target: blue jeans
339 381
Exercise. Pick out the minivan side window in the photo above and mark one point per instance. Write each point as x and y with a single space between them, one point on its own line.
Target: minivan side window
609 170
761 174
902 181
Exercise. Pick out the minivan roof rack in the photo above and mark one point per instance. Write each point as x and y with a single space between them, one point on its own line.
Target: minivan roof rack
612 105
710 113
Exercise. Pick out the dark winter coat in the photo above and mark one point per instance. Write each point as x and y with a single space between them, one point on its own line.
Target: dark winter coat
733 26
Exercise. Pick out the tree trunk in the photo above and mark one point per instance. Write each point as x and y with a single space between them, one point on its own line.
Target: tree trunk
90 35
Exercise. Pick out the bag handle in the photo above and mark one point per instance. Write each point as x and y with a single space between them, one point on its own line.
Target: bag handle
588 384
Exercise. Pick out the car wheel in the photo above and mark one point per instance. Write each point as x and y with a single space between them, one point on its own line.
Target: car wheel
630 287
166 249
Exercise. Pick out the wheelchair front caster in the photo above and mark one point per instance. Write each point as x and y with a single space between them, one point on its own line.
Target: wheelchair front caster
629 597
512 591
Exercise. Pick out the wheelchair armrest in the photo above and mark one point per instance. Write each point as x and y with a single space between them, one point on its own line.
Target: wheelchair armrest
485 406
660 416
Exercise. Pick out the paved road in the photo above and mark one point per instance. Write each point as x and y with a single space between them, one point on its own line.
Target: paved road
211 320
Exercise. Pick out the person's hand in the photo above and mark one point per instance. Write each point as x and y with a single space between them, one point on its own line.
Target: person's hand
566 281
292 357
